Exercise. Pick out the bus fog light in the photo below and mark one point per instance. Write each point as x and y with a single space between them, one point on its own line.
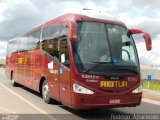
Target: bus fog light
80 89
138 90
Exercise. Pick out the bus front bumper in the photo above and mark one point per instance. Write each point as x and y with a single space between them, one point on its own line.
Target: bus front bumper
80 101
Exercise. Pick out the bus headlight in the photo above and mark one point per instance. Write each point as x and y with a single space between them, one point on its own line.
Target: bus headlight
138 90
80 89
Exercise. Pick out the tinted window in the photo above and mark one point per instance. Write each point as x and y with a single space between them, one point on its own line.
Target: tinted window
64 51
34 39
12 47
23 41
50 39
53 32
102 48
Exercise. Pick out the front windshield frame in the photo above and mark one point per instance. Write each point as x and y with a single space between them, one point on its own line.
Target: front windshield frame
112 63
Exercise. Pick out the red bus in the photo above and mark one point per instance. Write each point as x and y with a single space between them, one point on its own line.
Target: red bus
83 60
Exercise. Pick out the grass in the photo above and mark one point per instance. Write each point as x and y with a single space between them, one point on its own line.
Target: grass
153 85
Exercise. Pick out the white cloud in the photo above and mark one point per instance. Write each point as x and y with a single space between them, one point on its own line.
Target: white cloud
3 7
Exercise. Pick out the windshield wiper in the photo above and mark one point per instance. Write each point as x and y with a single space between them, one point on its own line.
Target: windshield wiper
126 69
97 64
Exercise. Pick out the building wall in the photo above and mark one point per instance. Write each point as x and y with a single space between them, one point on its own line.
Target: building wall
154 72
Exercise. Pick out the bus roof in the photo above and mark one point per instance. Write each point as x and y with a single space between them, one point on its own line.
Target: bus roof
93 14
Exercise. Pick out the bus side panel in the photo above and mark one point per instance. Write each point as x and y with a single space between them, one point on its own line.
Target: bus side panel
13 62
33 70
37 69
21 67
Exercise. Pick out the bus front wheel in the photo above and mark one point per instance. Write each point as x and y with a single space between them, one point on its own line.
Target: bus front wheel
45 92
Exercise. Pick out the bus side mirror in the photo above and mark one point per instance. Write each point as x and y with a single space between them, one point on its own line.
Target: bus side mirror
146 37
72 28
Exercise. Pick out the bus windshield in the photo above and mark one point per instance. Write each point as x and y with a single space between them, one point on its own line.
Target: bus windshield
104 48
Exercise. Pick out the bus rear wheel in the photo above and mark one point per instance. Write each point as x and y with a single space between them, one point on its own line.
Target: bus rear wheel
45 92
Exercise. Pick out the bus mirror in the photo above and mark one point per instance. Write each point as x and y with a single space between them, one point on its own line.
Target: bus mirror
63 60
73 31
146 37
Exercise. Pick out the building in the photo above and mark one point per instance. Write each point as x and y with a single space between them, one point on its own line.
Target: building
153 71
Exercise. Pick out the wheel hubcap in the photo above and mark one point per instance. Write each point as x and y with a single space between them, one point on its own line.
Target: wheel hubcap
45 91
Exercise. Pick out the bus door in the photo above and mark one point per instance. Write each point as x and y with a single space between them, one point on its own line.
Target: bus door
54 45
50 49
64 72
53 78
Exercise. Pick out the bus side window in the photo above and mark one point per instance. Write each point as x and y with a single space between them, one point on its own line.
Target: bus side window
51 38
64 55
49 41
34 40
12 47
23 44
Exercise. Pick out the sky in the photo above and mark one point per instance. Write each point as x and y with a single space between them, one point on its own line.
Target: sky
18 16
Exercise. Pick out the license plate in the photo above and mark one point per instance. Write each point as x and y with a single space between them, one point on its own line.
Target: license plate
114 101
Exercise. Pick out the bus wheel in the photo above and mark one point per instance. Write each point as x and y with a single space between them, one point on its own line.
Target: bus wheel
13 83
45 92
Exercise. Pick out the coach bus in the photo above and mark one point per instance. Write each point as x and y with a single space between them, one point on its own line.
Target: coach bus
83 60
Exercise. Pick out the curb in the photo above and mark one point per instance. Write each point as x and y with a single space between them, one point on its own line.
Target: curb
151 91
151 95
150 101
